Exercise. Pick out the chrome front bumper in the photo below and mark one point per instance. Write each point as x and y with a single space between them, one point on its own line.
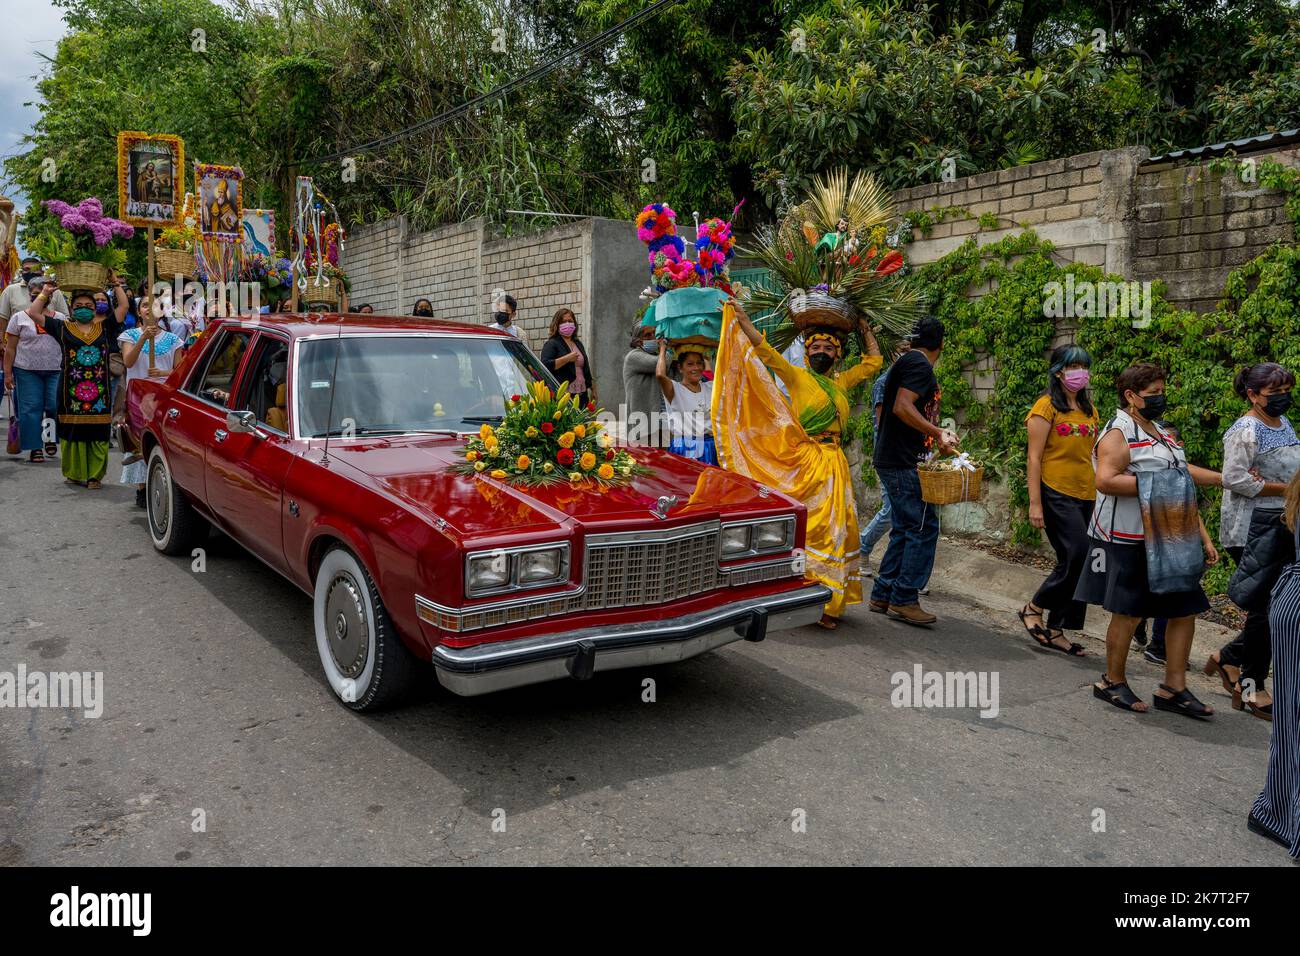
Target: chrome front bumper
485 668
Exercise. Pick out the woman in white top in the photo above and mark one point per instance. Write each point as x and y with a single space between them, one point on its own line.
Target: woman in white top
33 362
688 404
1115 575
1261 454
147 352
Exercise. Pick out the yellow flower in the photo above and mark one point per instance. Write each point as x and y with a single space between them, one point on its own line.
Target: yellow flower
530 432
596 426
547 467
580 431
490 442
471 456
479 465
557 415
604 441
587 461
485 431
523 462
498 473
566 440
575 477
606 471
626 469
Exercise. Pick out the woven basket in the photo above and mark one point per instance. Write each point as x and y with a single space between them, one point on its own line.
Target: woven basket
819 310
327 294
949 487
76 274
694 343
173 262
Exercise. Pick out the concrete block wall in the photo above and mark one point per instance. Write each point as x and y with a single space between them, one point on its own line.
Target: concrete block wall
544 272
1195 225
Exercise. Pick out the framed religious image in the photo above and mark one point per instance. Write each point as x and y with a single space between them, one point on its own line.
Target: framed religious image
150 178
221 207
259 232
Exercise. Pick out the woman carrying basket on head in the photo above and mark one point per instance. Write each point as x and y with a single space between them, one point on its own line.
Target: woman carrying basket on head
794 445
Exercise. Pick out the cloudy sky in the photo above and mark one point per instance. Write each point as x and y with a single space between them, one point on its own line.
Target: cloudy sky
30 29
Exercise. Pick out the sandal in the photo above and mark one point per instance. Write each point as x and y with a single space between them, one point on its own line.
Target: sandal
51 449
1074 650
93 485
1182 702
36 457
1214 665
828 622
1119 695
1040 634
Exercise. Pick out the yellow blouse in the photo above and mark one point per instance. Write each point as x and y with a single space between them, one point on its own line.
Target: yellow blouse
806 394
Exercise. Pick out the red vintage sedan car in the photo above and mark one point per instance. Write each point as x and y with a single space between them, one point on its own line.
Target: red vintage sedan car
325 445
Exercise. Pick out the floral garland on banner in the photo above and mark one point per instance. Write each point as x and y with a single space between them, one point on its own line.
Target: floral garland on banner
544 440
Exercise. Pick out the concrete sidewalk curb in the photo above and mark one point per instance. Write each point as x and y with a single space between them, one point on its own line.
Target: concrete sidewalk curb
1000 585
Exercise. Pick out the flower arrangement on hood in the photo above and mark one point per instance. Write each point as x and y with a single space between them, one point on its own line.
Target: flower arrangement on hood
832 262
547 440
84 233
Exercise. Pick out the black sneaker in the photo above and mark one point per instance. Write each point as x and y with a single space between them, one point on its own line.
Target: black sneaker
1156 655
139 498
1140 635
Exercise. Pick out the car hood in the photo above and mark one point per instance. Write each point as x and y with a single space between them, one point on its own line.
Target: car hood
419 472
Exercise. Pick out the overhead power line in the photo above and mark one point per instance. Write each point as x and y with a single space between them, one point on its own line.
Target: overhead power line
497 92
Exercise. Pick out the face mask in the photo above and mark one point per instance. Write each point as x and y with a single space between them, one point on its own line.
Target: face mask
567 329
101 308
651 346
83 314
1076 379
1278 404
424 313
821 362
501 318
1154 408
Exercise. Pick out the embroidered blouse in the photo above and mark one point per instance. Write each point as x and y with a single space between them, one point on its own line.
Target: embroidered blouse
1249 444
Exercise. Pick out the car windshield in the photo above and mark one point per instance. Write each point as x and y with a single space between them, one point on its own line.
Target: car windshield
390 384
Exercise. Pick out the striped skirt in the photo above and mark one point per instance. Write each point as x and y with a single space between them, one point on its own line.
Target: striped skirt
1278 807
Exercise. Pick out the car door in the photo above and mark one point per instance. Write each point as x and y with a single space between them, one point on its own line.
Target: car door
196 410
246 470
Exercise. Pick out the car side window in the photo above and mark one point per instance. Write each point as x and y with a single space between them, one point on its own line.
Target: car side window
264 391
215 382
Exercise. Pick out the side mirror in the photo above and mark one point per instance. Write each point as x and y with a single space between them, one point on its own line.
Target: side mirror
245 422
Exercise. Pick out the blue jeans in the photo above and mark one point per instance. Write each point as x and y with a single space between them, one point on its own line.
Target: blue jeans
876 528
909 559
36 394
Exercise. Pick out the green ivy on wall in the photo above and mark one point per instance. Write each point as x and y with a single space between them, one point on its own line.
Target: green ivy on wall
1259 319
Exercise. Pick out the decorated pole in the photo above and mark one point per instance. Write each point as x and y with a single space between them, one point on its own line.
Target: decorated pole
153 319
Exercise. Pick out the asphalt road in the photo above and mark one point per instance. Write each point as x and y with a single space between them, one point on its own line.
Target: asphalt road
216 711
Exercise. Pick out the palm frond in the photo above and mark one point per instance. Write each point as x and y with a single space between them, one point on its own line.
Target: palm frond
863 204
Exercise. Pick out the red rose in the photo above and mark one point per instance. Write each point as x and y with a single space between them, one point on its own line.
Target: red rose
591 406
515 398
547 428
609 454
564 456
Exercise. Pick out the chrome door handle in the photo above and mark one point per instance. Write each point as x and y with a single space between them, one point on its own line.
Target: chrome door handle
172 413
219 435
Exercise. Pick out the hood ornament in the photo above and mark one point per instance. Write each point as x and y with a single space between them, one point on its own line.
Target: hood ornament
663 506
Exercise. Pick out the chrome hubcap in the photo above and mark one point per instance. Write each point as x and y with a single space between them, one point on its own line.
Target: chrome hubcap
158 499
345 619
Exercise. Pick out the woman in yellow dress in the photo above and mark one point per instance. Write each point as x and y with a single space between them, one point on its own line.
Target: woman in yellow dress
794 445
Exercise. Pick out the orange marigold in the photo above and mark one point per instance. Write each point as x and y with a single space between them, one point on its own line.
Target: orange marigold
587 461
606 471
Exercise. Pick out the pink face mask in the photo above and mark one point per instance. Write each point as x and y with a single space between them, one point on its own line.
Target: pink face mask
567 329
1076 379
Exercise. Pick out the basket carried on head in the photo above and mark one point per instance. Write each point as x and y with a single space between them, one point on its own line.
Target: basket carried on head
948 486
174 262
76 274
810 310
326 294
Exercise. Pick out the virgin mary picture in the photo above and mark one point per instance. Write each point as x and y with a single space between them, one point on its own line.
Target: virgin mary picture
150 171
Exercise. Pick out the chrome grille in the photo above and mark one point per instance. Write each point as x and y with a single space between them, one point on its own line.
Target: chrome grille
651 572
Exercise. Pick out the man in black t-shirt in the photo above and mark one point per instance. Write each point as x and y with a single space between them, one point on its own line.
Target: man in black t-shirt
909 431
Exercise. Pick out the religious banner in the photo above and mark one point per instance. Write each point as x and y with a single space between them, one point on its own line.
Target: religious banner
221 207
259 232
150 178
